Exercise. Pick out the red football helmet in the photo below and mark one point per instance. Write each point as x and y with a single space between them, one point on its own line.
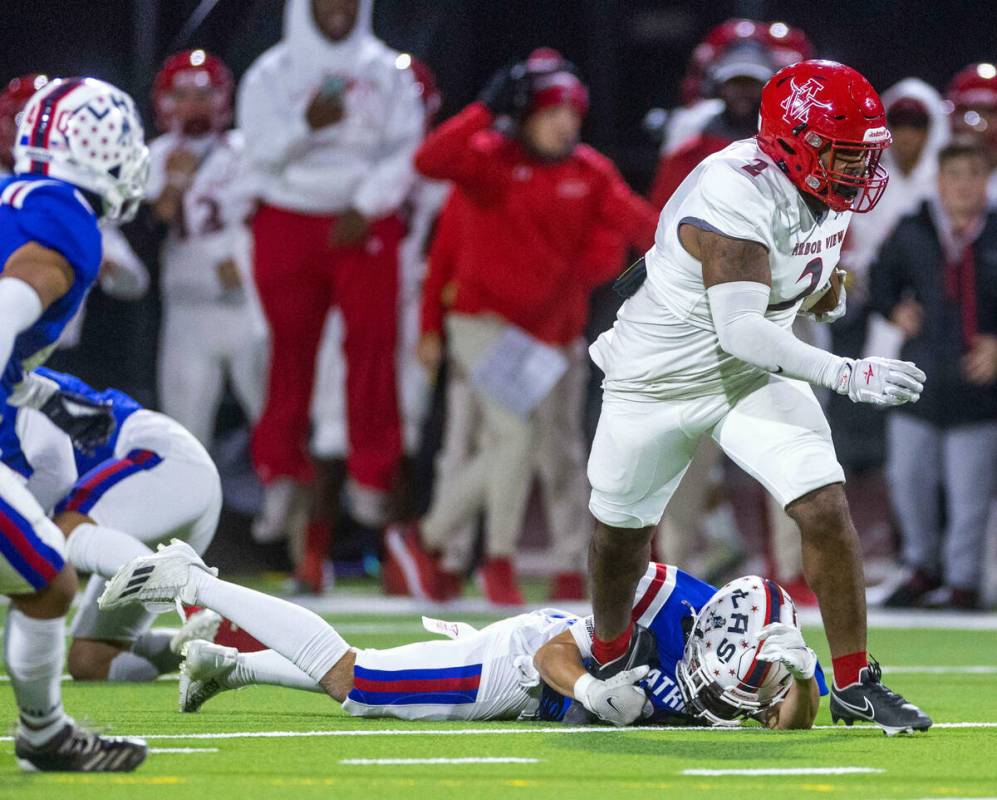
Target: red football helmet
12 101
972 97
192 93
817 107
785 44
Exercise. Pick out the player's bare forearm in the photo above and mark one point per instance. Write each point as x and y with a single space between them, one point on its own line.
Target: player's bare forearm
559 663
44 270
724 259
799 708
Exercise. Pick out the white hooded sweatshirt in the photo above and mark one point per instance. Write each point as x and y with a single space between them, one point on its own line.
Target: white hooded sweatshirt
362 162
904 193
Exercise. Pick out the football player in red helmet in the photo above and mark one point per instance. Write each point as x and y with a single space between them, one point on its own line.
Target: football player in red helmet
12 101
825 127
192 94
972 95
704 347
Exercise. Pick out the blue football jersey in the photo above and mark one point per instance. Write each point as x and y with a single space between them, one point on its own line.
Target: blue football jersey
56 215
122 406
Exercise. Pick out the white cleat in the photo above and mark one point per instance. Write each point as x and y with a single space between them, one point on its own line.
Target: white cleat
204 668
156 581
203 624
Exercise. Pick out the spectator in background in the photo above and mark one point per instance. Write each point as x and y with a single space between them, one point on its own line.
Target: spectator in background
212 328
329 406
936 278
972 97
332 119
784 44
737 77
544 223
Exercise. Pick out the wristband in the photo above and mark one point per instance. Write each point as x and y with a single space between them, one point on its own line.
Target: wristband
582 687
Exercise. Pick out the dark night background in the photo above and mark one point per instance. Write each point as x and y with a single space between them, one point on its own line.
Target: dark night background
632 53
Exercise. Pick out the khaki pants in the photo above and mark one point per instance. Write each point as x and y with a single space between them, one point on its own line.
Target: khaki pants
498 475
560 457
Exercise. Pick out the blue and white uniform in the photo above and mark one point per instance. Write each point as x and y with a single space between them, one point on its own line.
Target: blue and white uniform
486 674
665 602
55 215
152 480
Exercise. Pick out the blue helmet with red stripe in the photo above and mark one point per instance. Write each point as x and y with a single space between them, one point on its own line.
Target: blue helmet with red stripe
720 675
88 133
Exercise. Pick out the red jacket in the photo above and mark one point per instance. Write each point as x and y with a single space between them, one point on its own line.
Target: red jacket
535 238
675 168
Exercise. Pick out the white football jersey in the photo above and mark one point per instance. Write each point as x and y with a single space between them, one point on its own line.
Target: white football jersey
664 343
211 225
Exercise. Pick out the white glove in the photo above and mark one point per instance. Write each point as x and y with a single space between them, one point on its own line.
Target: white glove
835 313
617 700
783 644
880 381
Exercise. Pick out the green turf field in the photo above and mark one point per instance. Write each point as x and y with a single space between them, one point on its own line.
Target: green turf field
303 741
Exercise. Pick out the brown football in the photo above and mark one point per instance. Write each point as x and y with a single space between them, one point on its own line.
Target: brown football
828 299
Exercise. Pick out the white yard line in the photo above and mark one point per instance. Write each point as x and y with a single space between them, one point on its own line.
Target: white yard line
788 771
524 729
376 762
971 669
183 750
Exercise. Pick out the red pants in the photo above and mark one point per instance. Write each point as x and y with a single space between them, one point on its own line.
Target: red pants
299 277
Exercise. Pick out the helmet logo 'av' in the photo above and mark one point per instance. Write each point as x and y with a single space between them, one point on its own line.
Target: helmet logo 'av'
801 99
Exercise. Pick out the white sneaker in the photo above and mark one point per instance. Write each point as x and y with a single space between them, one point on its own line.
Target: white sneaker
157 581
203 624
204 667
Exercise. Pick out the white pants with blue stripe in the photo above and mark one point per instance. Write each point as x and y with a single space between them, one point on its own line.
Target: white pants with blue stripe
473 675
178 497
32 548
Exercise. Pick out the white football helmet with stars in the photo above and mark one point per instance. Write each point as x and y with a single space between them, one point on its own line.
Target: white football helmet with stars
720 675
88 133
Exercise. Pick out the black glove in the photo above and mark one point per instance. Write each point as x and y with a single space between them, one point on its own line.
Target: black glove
507 92
88 424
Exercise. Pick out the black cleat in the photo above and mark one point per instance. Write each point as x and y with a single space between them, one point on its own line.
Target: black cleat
74 749
642 650
870 701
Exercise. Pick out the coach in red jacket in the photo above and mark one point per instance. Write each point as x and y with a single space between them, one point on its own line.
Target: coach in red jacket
546 220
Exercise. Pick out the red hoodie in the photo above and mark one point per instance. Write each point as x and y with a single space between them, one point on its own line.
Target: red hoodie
535 237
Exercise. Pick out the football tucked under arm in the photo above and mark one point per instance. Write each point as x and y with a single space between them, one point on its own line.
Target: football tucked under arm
827 304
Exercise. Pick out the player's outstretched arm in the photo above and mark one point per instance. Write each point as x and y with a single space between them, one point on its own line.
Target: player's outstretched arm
737 278
617 700
33 278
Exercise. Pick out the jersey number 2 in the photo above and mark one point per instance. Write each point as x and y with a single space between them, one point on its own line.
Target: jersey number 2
755 168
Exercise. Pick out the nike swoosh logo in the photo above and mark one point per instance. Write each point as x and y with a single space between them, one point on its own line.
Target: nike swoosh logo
778 371
612 705
867 711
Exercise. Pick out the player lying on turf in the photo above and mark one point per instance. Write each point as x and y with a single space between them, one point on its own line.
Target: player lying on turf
717 656
149 480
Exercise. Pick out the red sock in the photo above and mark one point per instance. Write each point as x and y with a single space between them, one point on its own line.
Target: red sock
846 668
604 652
